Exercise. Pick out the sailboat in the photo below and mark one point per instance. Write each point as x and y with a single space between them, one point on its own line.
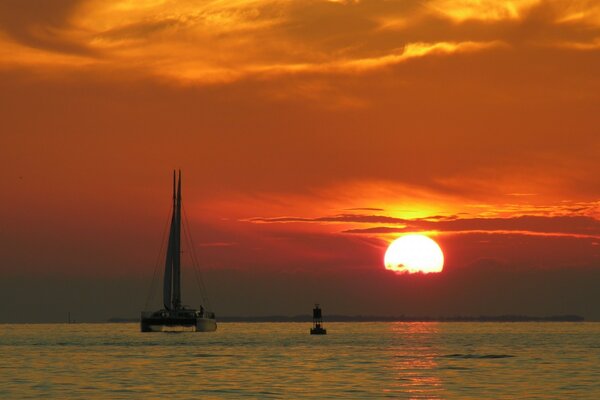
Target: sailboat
174 315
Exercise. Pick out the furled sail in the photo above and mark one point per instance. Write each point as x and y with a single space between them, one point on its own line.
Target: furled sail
177 251
172 279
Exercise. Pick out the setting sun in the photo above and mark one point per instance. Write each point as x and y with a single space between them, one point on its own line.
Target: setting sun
414 253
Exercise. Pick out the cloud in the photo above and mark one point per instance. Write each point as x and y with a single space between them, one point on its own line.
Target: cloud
45 26
365 209
591 45
510 232
218 42
568 226
486 10
356 218
585 226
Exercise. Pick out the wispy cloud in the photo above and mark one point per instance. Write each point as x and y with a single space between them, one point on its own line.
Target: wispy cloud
486 10
218 41
356 218
576 226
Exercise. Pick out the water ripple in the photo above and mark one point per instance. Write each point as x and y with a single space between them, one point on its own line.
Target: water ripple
481 356
365 360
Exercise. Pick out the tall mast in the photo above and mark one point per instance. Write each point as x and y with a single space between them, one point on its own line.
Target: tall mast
171 250
177 251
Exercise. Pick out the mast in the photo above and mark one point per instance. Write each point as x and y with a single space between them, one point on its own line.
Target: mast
177 251
168 278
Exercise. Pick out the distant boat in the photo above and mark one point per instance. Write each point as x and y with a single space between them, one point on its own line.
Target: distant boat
317 328
174 315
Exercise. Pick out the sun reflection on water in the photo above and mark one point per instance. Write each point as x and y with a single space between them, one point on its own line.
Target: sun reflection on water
414 360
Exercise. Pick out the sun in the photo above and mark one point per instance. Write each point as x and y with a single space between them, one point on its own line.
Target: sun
414 253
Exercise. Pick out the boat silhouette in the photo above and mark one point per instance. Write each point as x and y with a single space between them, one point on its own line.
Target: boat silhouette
174 315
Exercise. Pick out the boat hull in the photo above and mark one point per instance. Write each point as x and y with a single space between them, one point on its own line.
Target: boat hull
177 324
206 325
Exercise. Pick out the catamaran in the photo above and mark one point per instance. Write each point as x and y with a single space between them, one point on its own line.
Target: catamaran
174 315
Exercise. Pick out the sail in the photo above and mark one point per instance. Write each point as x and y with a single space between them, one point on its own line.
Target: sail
172 279
171 250
177 252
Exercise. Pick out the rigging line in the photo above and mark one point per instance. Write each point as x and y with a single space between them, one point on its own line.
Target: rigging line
189 244
158 259
195 262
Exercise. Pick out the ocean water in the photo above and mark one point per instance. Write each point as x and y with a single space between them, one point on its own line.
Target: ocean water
281 360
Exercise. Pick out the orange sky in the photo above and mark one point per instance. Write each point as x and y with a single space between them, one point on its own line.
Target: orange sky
310 134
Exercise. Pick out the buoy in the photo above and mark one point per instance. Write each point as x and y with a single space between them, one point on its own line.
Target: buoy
317 328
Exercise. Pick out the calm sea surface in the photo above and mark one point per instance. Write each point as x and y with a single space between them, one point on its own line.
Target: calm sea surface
281 360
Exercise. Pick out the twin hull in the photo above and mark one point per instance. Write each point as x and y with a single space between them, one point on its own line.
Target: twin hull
174 324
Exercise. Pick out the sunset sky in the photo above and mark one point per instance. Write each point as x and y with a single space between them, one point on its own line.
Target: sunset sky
310 134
